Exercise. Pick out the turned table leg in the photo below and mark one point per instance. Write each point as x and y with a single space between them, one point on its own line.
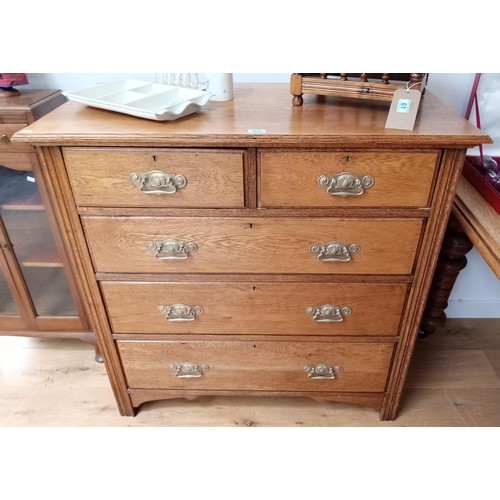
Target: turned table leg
450 262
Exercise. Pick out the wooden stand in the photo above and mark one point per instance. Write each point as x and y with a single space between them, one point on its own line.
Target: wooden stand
11 92
377 86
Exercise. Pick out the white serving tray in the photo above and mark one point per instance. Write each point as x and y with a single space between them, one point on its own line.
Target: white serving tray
153 101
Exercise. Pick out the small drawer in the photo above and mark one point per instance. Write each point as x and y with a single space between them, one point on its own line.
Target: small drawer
252 245
255 308
156 178
6 142
256 365
9 116
343 179
18 160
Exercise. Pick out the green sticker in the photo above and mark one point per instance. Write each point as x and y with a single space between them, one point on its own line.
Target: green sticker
403 106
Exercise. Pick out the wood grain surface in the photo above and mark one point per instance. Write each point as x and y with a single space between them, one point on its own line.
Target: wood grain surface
243 245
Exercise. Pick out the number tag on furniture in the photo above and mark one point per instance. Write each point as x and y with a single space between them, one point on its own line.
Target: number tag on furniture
404 109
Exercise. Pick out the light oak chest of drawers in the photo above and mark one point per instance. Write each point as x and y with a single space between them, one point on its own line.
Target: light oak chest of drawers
255 248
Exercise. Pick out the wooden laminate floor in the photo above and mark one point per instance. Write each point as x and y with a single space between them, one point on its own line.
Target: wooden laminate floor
454 381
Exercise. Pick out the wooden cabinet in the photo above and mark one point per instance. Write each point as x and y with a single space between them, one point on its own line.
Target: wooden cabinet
255 248
38 296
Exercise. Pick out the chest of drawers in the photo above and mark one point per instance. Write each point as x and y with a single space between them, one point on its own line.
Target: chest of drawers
255 248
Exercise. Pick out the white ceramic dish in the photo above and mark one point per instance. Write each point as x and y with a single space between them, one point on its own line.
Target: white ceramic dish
153 101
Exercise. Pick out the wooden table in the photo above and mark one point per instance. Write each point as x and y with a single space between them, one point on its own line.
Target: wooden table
473 222
480 223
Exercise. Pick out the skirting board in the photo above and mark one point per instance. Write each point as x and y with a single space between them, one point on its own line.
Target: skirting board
473 309
476 293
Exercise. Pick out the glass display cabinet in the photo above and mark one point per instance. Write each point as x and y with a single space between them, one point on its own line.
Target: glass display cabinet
37 294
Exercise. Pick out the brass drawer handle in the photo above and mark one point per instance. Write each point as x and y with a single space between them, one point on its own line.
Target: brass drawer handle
180 312
5 139
322 371
172 249
158 182
334 251
329 313
189 370
346 183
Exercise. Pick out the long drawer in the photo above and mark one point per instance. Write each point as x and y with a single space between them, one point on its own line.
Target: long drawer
155 177
255 308
256 365
343 179
246 245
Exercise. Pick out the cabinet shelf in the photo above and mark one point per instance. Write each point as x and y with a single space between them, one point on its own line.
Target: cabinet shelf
18 193
7 303
50 292
50 295
32 240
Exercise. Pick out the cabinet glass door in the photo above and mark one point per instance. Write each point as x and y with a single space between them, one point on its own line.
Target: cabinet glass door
33 257
7 305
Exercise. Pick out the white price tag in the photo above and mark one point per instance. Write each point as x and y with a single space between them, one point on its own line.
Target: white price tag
404 109
256 130
29 178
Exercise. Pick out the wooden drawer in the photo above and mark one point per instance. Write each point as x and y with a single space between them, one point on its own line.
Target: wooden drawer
6 133
253 245
255 365
18 160
102 177
255 308
9 116
304 179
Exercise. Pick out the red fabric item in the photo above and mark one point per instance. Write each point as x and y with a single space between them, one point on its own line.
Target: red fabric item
11 79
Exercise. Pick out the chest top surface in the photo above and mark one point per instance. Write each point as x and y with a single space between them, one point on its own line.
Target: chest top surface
259 115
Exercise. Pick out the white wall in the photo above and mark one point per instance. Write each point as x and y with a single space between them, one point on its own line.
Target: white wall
477 290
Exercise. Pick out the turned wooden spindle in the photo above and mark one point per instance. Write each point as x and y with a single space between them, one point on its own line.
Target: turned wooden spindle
450 262
416 78
372 86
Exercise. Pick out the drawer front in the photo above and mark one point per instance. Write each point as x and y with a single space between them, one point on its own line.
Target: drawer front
311 179
9 116
18 160
244 245
6 133
156 178
255 308
256 365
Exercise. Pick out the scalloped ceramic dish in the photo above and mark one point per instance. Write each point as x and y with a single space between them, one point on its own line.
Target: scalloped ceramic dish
153 101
